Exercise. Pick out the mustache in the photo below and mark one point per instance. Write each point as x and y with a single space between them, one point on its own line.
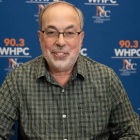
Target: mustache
59 47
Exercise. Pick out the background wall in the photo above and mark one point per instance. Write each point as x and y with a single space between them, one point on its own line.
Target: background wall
112 37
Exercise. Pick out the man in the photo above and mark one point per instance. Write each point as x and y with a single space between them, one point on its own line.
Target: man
62 95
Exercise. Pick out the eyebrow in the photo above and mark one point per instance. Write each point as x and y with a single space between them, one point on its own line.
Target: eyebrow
55 28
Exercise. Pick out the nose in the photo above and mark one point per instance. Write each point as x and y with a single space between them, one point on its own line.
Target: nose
61 39
60 34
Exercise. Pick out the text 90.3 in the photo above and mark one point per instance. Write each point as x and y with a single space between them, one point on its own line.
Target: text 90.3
127 44
13 42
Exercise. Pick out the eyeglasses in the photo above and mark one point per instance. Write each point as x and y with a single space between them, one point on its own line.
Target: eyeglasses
55 34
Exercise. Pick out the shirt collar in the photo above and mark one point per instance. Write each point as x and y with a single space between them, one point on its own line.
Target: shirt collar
40 67
81 66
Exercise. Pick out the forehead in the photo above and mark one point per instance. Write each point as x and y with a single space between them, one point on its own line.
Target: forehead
60 14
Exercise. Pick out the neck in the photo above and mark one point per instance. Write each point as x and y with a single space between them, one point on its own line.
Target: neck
57 72
60 73
61 77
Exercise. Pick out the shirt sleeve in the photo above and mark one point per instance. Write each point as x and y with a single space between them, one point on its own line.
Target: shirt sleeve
8 107
124 122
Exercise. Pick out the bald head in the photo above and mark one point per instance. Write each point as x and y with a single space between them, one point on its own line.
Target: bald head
53 5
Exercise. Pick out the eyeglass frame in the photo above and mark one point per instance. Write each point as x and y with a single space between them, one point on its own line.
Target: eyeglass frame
61 33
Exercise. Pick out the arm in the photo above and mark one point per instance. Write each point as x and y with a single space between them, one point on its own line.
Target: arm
124 122
8 107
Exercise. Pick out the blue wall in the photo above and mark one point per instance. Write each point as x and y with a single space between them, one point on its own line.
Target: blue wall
112 37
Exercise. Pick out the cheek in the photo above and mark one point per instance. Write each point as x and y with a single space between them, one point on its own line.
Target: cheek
46 45
76 46
75 49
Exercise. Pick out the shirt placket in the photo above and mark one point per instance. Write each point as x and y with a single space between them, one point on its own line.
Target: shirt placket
64 114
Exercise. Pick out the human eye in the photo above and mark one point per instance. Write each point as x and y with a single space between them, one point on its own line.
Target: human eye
69 33
51 33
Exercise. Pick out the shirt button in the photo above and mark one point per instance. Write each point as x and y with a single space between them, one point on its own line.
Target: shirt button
63 90
64 116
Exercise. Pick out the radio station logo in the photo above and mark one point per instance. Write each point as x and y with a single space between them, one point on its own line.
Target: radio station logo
128 67
102 11
102 14
14 48
127 51
12 64
103 1
14 51
40 5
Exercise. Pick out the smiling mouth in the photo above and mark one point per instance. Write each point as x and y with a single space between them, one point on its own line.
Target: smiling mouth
60 54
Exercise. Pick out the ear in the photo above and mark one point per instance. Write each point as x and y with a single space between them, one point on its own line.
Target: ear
39 34
82 37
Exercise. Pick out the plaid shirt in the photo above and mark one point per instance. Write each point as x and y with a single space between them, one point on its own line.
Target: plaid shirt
93 104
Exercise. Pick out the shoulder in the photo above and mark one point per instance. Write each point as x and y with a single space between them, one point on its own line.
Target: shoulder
27 68
94 67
